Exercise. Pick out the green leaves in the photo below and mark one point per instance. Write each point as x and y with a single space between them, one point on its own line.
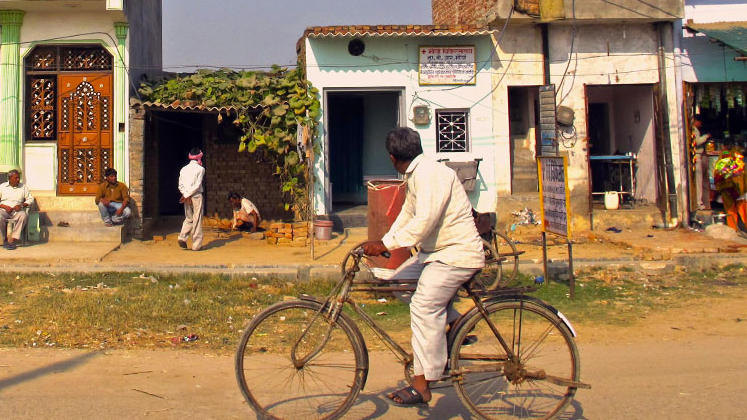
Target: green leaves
271 132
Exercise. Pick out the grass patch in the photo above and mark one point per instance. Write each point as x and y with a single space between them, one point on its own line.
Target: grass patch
116 310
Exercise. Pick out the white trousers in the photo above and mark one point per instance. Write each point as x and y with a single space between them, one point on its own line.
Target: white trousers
19 221
430 311
192 225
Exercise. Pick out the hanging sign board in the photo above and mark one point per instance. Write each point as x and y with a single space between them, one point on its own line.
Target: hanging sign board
548 125
554 195
446 65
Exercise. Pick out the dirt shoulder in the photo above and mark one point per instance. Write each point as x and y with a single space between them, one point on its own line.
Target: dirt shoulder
687 362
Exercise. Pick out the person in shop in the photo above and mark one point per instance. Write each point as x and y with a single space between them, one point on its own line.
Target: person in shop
700 161
729 177
245 213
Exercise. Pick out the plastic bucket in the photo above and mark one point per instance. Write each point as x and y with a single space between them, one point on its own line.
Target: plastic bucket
385 199
611 200
323 229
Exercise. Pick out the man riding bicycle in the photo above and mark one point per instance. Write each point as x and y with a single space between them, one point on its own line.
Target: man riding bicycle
437 217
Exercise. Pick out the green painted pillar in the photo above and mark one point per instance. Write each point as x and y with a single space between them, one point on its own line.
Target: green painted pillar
120 98
10 63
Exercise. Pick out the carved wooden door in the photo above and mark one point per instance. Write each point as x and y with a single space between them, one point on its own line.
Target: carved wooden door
85 138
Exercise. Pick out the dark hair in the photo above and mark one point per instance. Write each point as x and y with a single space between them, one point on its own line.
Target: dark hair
698 117
234 195
110 171
195 151
404 144
14 172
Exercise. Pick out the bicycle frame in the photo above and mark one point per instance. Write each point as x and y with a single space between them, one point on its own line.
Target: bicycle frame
336 300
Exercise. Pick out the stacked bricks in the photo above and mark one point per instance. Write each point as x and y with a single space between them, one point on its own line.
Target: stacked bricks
292 234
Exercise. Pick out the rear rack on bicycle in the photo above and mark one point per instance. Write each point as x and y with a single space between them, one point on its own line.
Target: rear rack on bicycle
504 291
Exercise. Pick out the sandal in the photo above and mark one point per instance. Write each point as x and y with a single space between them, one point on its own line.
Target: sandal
410 398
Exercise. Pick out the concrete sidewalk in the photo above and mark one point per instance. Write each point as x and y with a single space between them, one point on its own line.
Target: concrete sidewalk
234 253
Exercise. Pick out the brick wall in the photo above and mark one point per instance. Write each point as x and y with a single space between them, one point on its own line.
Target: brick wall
136 180
228 170
454 12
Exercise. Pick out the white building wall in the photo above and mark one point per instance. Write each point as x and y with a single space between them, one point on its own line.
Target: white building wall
705 11
392 62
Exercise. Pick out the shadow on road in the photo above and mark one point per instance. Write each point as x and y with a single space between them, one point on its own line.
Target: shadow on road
60 366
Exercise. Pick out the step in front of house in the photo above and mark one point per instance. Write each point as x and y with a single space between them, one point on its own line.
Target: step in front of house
72 218
49 201
519 185
345 221
643 216
88 233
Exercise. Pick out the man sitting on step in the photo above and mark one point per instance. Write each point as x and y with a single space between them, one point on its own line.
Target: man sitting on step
14 198
112 198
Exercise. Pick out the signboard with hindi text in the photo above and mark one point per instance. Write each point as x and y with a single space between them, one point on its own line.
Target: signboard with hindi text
554 195
446 65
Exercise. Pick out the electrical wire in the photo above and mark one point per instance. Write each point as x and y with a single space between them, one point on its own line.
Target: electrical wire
108 35
570 55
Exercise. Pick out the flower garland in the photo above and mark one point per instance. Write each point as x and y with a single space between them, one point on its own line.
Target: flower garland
729 164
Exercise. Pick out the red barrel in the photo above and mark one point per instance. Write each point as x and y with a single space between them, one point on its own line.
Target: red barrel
385 199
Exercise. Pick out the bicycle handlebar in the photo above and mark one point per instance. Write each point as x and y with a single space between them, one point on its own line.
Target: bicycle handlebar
359 252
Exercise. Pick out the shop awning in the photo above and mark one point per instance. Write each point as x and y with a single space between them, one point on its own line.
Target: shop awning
731 34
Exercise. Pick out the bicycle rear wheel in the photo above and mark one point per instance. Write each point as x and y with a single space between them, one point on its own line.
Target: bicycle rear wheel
324 388
537 385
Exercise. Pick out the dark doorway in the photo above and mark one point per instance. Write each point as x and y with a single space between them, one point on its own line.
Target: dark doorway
178 133
357 123
523 120
599 129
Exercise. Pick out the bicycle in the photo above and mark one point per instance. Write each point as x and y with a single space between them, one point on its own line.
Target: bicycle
502 255
306 358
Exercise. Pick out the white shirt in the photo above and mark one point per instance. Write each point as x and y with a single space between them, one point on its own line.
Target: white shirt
248 206
437 215
13 196
190 179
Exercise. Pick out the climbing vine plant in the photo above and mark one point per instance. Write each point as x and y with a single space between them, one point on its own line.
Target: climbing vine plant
269 107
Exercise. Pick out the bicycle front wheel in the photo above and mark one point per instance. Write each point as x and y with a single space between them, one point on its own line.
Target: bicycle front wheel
325 387
537 383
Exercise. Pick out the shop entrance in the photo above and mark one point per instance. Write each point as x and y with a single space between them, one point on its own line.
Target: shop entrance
622 157
177 134
722 109
357 123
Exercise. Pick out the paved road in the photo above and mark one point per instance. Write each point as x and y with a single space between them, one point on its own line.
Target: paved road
689 378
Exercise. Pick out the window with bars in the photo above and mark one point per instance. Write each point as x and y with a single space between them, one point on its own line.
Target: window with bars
452 130
43 66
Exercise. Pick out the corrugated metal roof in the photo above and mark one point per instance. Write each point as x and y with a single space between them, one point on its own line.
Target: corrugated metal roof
732 34
193 106
395 30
